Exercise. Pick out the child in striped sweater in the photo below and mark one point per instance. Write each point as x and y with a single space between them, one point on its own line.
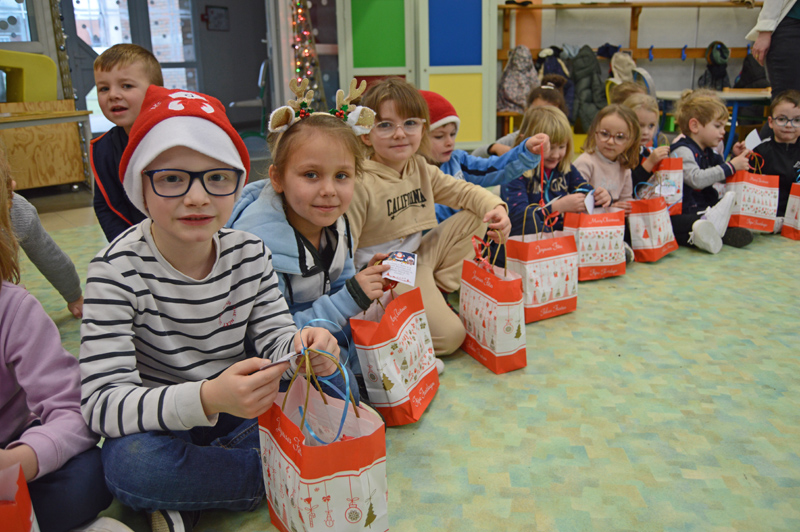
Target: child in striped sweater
168 305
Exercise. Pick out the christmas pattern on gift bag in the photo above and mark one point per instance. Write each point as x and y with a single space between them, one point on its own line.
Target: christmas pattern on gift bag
490 307
396 355
548 265
651 230
599 239
16 510
667 181
791 220
756 203
336 487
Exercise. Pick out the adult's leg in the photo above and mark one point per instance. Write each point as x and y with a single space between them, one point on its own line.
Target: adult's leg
71 496
200 469
783 69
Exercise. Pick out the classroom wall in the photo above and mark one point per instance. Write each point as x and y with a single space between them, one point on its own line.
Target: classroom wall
231 59
660 27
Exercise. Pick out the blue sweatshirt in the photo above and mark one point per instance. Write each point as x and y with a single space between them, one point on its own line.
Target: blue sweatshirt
496 170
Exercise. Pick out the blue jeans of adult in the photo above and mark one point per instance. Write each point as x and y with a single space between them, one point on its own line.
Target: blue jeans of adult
203 468
71 496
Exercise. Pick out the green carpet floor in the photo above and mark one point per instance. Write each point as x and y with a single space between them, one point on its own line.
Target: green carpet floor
669 401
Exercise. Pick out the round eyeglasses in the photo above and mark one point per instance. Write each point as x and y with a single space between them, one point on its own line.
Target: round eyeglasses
619 138
173 183
784 121
386 129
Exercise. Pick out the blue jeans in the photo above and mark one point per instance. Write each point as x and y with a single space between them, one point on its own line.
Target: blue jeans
71 496
199 469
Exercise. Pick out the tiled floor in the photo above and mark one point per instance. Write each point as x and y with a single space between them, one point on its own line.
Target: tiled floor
668 401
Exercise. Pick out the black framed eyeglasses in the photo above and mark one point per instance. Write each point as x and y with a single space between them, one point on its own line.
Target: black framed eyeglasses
173 183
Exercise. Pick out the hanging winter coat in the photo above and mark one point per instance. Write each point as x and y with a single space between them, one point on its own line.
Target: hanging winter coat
590 93
716 75
550 62
518 80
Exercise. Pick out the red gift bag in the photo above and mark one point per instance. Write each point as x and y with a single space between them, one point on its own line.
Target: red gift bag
16 511
667 182
490 307
791 220
548 265
599 238
756 203
395 350
310 485
651 230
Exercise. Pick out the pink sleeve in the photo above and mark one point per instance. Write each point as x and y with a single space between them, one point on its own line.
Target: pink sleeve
50 377
626 194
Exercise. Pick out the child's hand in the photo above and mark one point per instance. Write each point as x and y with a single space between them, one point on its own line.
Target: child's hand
321 340
738 148
741 161
370 279
602 198
76 308
242 390
624 205
539 144
655 157
498 220
570 203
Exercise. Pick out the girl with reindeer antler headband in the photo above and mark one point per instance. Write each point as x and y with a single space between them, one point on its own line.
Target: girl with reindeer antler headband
299 211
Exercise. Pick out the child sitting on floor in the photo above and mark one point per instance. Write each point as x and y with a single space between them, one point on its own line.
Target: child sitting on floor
122 74
168 305
646 109
393 206
702 116
300 213
461 165
41 427
781 152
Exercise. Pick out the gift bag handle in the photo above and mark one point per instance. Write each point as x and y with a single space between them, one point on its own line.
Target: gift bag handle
482 246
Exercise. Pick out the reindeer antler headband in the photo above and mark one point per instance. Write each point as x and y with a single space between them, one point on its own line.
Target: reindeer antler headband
357 117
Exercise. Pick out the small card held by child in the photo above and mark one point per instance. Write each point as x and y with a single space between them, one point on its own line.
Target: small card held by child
589 202
402 267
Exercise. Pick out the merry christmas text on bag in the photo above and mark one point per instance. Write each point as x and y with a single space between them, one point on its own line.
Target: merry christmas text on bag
311 485
16 510
756 203
791 220
599 238
548 265
667 182
651 230
396 354
491 309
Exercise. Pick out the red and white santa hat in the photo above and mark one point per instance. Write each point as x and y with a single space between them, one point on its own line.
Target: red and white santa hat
442 112
175 117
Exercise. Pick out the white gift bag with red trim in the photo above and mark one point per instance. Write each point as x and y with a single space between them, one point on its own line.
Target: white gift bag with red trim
651 230
395 350
756 204
339 486
667 182
599 239
791 220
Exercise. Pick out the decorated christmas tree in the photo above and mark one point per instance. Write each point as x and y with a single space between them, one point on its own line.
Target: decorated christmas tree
519 331
387 383
306 60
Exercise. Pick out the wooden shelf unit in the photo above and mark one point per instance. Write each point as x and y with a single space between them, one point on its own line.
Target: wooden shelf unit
636 10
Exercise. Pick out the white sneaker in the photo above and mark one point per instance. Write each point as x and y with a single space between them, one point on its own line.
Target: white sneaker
720 214
439 366
778 225
704 236
103 524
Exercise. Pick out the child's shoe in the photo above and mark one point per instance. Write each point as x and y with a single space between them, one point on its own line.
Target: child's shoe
704 236
173 521
778 225
720 214
103 524
737 237
439 365
629 256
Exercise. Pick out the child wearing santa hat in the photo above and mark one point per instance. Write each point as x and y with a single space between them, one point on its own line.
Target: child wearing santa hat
168 305
459 164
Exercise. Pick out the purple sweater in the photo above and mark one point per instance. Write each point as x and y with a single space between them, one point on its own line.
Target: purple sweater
39 380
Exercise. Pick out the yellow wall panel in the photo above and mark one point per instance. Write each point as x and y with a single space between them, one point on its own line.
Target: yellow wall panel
465 92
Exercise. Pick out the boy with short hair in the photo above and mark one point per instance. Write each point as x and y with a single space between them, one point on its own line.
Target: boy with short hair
122 74
781 152
702 117
168 306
